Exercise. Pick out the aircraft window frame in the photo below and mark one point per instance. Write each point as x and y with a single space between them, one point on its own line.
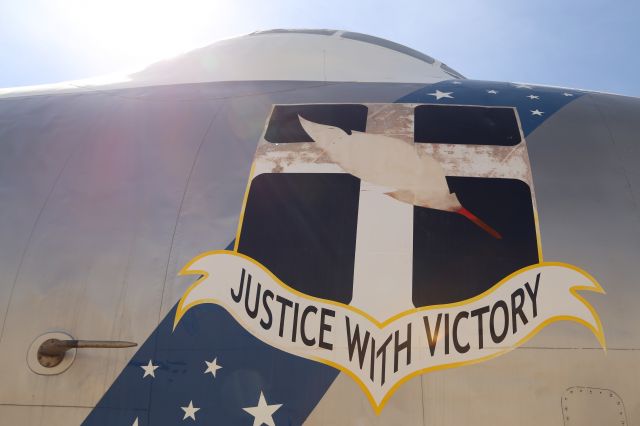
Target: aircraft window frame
446 68
389 45
285 31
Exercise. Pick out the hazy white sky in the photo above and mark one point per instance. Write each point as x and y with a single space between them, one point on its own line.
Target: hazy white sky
584 44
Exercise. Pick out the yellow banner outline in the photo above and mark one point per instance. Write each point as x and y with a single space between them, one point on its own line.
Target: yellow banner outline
599 332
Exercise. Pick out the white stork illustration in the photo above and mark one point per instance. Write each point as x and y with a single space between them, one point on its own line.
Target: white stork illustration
413 178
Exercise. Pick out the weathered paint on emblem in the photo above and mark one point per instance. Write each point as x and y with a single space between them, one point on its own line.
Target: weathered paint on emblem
380 305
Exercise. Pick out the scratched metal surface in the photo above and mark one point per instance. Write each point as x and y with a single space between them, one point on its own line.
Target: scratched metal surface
105 196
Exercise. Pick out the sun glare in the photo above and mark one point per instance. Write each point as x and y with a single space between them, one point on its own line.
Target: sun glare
140 32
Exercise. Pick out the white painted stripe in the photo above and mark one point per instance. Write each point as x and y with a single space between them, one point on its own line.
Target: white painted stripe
382 282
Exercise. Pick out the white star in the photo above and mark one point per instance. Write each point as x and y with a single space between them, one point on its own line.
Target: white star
439 95
522 86
532 97
212 367
455 82
190 411
135 422
263 413
567 94
537 112
149 369
492 91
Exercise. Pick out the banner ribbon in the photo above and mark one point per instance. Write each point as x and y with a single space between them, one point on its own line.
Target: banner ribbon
380 356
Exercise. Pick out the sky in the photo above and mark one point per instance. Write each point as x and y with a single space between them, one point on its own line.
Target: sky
589 44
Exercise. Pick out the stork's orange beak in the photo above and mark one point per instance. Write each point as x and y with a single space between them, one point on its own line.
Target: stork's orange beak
475 219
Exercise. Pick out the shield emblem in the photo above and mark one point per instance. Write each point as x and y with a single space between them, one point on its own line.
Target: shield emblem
389 240
335 235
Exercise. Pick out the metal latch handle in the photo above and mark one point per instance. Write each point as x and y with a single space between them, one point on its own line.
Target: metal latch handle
51 352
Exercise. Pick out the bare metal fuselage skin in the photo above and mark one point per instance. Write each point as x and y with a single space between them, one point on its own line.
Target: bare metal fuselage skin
106 195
